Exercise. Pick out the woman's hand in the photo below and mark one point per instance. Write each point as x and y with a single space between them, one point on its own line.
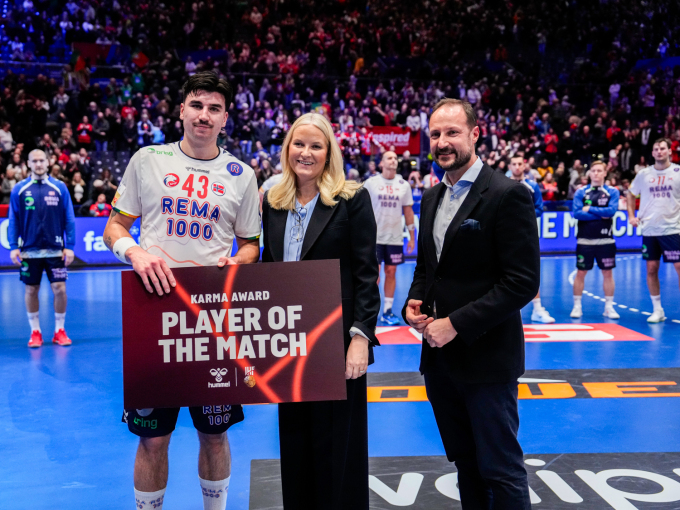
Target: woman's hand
356 363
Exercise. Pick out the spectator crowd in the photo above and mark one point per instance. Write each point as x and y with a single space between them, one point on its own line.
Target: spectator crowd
557 83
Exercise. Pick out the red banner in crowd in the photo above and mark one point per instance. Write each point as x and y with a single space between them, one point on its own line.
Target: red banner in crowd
402 139
255 333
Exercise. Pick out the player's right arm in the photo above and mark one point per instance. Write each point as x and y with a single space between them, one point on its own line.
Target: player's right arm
153 270
13 230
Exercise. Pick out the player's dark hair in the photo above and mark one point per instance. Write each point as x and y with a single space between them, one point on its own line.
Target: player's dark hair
663 139
469 110
207 81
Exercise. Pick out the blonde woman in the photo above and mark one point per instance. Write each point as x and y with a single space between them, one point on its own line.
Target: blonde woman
313 214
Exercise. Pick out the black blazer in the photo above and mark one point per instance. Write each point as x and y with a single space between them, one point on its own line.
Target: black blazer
488 270
346 231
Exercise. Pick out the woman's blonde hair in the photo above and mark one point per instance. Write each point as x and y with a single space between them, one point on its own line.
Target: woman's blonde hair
331 182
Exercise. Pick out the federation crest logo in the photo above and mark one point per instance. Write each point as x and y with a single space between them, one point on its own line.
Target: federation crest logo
171 180
29 201
234 169
250 377
218 373
218 188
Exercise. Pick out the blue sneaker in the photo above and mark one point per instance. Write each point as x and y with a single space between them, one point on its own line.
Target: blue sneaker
389 318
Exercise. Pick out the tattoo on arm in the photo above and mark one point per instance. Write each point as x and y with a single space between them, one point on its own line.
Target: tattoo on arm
108 242
113 213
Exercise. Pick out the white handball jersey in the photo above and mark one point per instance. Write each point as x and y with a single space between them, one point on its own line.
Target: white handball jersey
191 209
659 193
388 198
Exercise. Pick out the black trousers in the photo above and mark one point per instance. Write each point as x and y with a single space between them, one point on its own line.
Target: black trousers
324 452
478 424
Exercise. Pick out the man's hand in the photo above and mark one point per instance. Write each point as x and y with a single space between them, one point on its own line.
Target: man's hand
440 332
228 261
153 270
356 363
586 208
415 319
67 257
634 221
411 245
15 255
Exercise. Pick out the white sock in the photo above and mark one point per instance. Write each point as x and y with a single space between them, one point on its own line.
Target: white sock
388 304
608 302
537 303
59 319
577 300
149 500
214 493
34 320
656 301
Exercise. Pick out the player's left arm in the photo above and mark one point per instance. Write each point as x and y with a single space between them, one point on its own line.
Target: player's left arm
612 207
411 227
247 228
248 253
70 228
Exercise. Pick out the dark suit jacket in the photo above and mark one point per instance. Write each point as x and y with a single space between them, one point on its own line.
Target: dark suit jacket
488 270
346 231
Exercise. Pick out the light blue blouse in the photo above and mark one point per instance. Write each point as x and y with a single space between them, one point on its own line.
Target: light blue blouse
296 227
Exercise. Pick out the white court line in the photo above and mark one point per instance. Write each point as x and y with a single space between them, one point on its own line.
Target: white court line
646 313
634 310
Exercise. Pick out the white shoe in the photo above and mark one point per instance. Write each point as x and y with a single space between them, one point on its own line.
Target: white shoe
577 312
610 313
541 315
657 316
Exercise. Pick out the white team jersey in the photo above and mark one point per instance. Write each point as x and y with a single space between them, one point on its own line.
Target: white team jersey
388 198
659 193
191 209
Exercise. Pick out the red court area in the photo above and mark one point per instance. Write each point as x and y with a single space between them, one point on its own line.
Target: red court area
404 335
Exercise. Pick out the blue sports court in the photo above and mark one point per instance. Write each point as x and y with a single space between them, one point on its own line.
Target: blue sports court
599 408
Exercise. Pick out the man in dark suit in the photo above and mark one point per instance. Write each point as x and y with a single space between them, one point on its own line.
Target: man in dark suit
478 265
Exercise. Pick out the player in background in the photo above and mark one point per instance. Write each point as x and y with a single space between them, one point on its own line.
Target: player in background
517 168
193 199
594 207
390 195
40 218
658 187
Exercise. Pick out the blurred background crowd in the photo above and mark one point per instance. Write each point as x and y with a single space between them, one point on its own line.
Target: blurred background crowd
565 83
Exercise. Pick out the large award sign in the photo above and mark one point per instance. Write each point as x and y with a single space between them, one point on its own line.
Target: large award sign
255 333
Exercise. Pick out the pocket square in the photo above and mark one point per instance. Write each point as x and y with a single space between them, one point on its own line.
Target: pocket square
470 224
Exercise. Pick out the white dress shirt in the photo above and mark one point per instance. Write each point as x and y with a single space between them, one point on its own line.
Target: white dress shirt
451 201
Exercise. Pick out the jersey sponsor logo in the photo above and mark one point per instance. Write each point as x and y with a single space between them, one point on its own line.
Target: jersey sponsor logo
52 200
151 150
171 180
218 188
28 201
192 169
234 169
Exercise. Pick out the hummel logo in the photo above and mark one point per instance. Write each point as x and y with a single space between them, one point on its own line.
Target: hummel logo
217 373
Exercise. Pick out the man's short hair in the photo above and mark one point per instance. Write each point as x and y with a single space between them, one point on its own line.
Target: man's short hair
36 151
207 81
469 110
662 139
517 155
598 162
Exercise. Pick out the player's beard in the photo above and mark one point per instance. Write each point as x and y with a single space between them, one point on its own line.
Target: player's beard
462 159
